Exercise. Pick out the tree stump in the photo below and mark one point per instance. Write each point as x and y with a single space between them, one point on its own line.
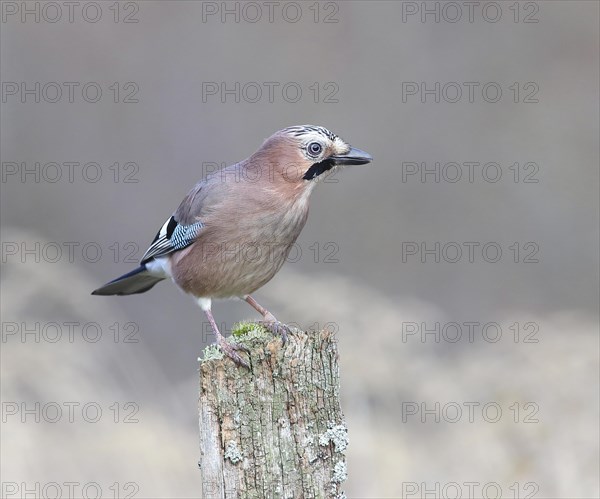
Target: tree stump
275 430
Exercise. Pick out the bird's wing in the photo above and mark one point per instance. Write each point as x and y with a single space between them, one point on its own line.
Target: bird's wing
172 236
185 225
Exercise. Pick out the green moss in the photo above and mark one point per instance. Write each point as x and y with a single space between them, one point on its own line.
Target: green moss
248 331
244 333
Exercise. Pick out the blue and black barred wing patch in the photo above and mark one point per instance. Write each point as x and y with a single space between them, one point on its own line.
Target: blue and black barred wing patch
172 237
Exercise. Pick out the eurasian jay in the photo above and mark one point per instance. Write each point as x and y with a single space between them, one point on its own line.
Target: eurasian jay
235 228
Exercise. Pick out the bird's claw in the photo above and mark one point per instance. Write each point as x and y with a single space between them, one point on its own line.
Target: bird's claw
277 328
231 350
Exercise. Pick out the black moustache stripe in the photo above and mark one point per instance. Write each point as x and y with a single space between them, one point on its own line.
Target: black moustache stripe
319 168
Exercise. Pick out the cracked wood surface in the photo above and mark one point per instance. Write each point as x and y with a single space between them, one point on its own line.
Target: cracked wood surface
276 430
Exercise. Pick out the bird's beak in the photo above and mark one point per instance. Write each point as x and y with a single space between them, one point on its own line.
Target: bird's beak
352 157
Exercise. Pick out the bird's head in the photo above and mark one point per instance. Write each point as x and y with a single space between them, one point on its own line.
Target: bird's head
303 154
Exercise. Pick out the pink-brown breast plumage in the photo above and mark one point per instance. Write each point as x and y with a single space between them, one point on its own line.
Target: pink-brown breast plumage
249 229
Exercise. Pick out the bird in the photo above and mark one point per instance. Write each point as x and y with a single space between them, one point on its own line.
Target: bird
233 231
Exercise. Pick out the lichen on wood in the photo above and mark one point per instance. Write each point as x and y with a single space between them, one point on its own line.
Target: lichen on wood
275 430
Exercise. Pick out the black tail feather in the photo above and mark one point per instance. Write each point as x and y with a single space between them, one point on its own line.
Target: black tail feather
137 281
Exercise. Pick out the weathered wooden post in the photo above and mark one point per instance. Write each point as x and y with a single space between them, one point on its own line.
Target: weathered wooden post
276 430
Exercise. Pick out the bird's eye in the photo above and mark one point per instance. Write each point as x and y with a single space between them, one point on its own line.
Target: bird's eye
314 148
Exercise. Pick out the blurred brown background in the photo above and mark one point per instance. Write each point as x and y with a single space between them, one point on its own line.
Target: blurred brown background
358 74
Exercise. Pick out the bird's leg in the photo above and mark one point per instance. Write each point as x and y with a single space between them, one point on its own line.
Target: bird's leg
270 322
268 316
228 348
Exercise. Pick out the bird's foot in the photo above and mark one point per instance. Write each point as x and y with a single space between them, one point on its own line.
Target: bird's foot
232 349
276 327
